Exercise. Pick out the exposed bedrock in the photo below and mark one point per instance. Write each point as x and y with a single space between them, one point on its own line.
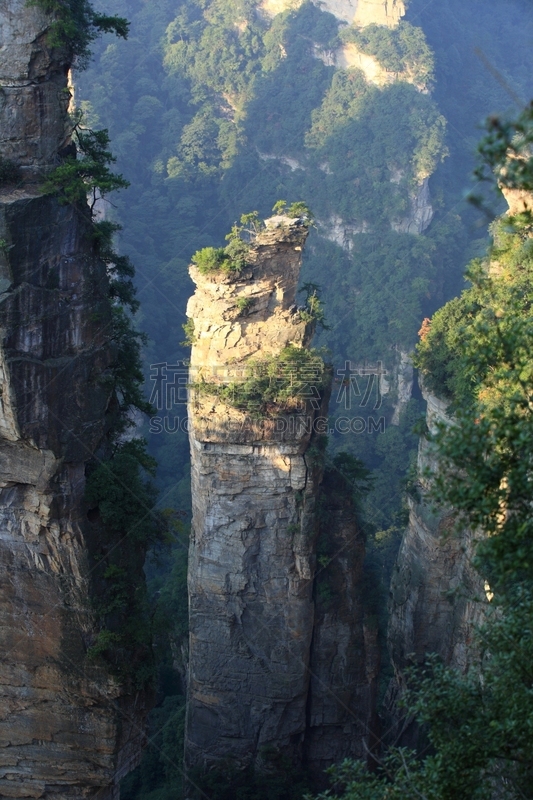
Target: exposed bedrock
67 728
34 94
345 656
435 598
254 648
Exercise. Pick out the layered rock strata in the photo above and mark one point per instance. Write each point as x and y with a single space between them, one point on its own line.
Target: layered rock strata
252 555
255 651
437 597
66 728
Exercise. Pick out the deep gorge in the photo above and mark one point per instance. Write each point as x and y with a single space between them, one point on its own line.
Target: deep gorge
319 572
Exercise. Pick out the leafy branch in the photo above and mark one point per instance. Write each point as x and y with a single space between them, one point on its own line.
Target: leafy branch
314 307
87 175
75 26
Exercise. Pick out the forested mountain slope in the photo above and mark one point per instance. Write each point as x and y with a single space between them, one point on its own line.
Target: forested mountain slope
218 108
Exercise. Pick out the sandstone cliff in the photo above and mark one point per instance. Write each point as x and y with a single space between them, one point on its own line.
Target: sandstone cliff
66 729
264 675
436 595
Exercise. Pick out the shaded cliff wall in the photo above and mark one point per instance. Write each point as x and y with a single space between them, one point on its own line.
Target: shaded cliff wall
345 654
254 647
436 596
66 730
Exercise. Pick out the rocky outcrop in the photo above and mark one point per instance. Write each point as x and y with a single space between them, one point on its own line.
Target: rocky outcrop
379 12
66 728
251 561
255 653
34 95
436 598
348 56
342 9
357 12
403 377
345 653
420 211
341 232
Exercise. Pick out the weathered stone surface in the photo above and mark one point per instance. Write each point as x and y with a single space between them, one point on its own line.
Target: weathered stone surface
252 554
437 598
358 12
262 676
379 12
34 95
66 728
60 717
403 377
420 211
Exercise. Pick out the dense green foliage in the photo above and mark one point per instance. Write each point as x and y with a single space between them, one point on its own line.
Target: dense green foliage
76 25
213 260
505 150
213 108
402 49
274 384
120 494
87 172
458 350
232 259
479 725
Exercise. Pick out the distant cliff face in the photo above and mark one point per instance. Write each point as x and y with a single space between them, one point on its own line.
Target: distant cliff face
358 12
66 730
255 484
436 595
379 12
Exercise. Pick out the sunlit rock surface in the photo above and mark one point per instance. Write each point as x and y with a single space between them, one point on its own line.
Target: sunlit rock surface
252 551
379 12
255 484
358 12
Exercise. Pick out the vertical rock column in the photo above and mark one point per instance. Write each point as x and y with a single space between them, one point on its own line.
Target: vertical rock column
254 488
342 720
435 591
66 730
